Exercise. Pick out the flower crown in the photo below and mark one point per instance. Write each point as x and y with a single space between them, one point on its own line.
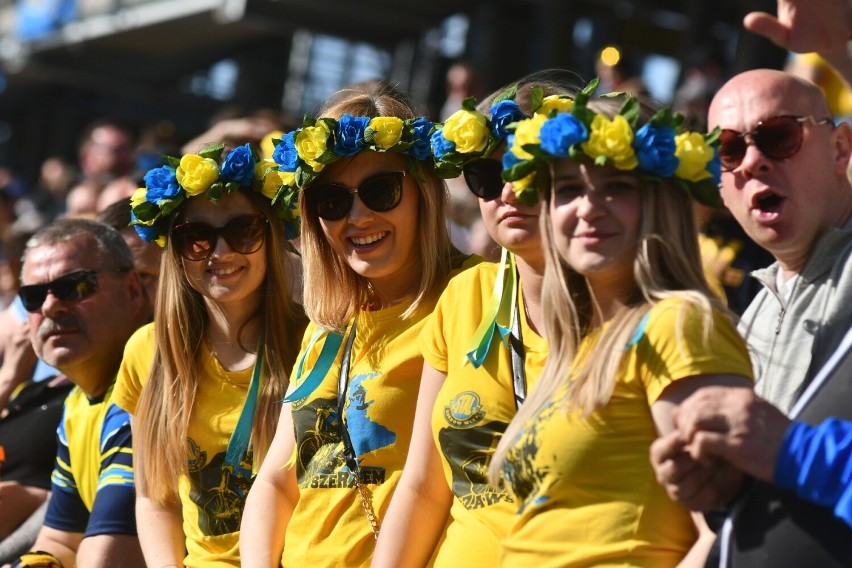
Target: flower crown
469 134
300 155
170 185
566 128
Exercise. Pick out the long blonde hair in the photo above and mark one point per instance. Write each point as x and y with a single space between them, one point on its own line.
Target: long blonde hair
333 291
167 401
667 265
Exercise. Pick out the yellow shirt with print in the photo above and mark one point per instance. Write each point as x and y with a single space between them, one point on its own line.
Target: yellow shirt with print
472 410
212 498
586 490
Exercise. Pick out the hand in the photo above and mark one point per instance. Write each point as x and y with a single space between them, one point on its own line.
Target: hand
823 26
19 359
734 425
696 486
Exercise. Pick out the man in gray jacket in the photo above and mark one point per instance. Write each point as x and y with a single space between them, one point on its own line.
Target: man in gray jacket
785 181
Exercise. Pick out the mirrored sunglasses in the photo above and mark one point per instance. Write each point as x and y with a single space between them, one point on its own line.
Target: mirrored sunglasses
71 287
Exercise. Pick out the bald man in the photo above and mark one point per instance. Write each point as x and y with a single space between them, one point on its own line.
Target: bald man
784 179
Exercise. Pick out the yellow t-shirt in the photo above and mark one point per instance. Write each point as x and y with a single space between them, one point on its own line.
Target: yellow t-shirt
471 412
212 500
587 492
329 527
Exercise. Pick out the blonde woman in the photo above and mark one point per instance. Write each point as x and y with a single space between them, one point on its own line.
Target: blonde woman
472 382
632 328
203 382
376 257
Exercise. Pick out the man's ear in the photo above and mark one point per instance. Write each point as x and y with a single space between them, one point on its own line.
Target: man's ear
842 145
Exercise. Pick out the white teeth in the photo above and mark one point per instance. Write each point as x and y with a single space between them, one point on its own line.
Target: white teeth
369 239
222 271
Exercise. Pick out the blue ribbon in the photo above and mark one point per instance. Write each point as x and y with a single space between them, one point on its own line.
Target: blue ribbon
326 359
242 433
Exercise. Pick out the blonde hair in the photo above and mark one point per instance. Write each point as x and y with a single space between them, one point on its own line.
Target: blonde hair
334 292
166 402
667 265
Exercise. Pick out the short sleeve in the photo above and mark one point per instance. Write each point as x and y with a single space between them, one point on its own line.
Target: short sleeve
433 344
138 357
65 510
674 346
113 509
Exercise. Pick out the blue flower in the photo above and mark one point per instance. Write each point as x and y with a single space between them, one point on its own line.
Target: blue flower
503 114
350 135
420 148
440 145
285 154
715 167
162 184
559 133
655 149
239 166
147 233
509 159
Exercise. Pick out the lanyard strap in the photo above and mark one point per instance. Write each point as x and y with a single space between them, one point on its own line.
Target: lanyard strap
516 345
348 450
239 441
342 384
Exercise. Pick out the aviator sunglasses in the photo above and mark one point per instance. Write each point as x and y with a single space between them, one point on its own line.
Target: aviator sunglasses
777 138
196 240
71 287
333 201
484 179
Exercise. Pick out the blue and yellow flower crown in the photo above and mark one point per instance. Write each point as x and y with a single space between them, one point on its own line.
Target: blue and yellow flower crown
170 185
564 128
300 155
469 134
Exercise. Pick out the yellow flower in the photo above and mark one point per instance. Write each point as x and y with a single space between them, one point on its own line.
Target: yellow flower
694 154
388 131
196 174
274 180
527 132
161 240
555 102
138 197
612 139
311 143
468 130
267 147
521 185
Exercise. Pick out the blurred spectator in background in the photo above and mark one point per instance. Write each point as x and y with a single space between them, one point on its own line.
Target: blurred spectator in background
462 82
106 151
146 256
233 127
838 94
704 73
617 74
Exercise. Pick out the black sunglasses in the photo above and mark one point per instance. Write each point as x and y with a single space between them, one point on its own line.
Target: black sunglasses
332 201
484 179
196 240
71 287
777 138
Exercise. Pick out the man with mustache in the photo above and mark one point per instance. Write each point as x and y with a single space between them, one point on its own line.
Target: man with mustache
84 300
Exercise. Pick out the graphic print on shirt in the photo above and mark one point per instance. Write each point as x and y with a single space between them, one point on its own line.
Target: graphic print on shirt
320 461
219 493
467 446
520 469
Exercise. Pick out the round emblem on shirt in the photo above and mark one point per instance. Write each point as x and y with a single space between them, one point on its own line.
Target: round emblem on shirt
465 410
